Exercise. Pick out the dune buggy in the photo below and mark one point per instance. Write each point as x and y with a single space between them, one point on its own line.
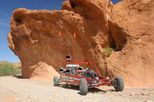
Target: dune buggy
85 74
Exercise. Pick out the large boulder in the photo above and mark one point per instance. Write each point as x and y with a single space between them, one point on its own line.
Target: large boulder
45 37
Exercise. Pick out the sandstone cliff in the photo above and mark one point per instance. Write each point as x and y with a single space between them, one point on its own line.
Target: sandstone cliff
85 29
133 20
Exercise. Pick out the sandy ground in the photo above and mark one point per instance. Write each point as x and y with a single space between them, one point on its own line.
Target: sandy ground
13 89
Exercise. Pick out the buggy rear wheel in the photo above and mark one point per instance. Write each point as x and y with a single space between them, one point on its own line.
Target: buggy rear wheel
56 81
83 86
118 84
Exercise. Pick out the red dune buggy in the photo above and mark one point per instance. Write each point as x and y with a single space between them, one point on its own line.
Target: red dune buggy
85 74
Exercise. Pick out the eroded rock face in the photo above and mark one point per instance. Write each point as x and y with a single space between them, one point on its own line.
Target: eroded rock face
134 19
83 29
47 36
67 6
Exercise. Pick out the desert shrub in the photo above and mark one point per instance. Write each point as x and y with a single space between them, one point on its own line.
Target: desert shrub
107 51
7 69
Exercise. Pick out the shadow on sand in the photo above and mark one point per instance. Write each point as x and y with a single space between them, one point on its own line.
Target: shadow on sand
75 87
91 90
19 77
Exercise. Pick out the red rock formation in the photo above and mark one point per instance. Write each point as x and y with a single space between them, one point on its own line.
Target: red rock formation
66 6
47 36
131 26
84 29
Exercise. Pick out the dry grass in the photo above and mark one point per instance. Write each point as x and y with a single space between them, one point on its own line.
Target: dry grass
9 69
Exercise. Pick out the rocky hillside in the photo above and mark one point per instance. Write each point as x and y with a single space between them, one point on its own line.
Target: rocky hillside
86 29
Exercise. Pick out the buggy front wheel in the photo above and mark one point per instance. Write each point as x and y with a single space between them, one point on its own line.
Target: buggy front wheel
118 84
83 86
56 81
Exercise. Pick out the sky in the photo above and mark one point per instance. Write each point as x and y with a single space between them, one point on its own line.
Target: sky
6 9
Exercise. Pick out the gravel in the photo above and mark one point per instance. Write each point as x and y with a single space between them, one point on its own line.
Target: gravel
13 89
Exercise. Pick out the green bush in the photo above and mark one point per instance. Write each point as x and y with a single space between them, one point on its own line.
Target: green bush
7 69
107 51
